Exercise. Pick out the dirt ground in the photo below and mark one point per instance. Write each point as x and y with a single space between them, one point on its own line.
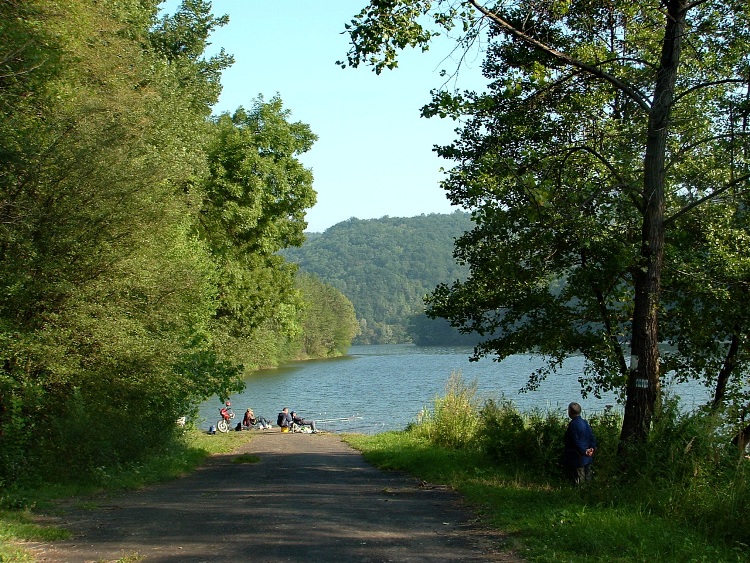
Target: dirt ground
311 498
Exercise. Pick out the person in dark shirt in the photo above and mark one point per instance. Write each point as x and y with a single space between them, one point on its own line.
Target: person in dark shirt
284 420
580 445
304 422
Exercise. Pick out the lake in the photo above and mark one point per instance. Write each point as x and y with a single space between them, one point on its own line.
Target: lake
379 388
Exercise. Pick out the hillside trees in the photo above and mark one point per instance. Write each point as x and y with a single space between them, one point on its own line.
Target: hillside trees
385 267
328 319
607 128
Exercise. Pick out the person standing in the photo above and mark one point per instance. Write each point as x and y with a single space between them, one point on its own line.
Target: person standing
580 445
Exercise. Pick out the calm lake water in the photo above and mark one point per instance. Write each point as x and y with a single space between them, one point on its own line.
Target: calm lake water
379 388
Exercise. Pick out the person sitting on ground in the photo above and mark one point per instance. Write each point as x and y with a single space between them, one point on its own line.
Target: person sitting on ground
304 422
284 420
251 420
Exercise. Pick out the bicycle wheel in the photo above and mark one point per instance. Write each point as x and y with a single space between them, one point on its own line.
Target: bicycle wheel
222 426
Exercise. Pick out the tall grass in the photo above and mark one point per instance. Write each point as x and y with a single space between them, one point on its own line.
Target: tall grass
684 495
453 422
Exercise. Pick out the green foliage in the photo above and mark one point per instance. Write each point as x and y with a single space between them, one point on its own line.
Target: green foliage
454 421
257 192
137 237
425 331
182 38
328 320
385 267
532 440
688 468
253 203
686 499
382 29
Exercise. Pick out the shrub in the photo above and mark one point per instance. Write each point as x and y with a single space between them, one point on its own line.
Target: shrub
455 421
532 440
503 430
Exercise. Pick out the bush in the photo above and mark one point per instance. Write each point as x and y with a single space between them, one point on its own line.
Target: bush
689 468
503 431
532 440
88 439
455 421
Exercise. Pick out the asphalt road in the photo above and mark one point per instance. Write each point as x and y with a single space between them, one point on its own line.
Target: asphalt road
311 498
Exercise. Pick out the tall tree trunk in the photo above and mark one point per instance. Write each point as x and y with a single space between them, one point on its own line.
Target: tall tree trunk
730 361
643 388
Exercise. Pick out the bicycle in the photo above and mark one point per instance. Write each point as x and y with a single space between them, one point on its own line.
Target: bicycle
227 414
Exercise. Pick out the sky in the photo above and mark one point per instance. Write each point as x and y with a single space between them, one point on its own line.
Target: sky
373 157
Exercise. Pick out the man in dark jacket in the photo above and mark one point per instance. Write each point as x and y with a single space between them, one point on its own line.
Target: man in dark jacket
304 422
580 445
284 419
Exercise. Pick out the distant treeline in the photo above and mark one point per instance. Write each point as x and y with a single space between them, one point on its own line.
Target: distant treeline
385 267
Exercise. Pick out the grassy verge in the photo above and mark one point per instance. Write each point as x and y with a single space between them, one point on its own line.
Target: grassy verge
17 505
546 519
682 495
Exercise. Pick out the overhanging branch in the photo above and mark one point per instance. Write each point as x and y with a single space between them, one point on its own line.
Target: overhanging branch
508 28
706 198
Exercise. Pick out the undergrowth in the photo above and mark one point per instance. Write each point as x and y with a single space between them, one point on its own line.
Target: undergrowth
682 496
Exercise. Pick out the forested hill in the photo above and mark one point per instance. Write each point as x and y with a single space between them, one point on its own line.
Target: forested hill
385 267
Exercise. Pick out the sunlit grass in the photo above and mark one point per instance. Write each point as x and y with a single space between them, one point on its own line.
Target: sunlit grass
246 458
16 505
17 525
546 519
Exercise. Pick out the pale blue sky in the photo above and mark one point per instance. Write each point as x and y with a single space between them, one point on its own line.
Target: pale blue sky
374 154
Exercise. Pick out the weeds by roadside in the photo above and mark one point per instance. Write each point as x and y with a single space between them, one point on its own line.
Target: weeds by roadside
684 497
18 503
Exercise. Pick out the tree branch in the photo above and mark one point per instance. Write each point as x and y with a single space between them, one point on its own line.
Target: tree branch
676 158
706 198
622 182
706 84
508 28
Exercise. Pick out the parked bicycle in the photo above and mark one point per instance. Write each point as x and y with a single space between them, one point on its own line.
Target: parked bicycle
227 414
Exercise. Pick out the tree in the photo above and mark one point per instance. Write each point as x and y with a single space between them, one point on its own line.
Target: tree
607 126
97 135
328 320
252 204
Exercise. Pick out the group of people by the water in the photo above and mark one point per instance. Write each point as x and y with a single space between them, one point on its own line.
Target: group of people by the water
286 421
579 440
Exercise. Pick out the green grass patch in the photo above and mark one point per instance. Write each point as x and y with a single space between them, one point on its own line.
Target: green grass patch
546 519
246 458
18 525
17 504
